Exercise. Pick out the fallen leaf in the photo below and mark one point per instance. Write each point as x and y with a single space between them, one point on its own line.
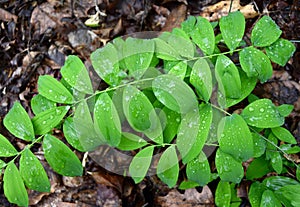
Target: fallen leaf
7 16
191 197
216 11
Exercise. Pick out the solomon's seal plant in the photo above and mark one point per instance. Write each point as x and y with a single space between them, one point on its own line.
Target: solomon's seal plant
166 101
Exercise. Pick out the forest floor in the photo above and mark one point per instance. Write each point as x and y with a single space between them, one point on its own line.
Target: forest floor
36 36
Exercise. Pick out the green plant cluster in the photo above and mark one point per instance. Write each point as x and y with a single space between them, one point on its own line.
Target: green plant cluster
172 92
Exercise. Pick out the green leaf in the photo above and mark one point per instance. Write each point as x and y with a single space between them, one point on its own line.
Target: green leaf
201 79
107 120
183 46
285 109
76 75
232 28
276 162
187 185
281 51
229 169
165 51
141 114
71 134
263 114
274 183
140 164
198 170
131 142
235 137
170 122
105 61
259 145
14 188
193 132
228 77
289 194
284 135
247 86
6 148
265 32
18 123
189 24
289 149
268 199
86 129
138 54
256 64
61 159
33 172
258 168
179 70
39 104
53 90
168 167
298 173
203 35
173 93
2 164
223 194
47 120
255 193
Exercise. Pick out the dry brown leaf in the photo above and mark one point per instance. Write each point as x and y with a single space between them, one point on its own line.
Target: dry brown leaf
216 11
7 16
190 198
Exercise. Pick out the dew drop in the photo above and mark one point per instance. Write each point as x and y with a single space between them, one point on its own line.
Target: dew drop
251 109
262 110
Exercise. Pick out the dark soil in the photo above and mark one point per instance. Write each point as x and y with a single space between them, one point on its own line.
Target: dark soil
37 35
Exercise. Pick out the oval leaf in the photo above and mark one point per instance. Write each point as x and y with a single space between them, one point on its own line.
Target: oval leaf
198 170
47 120
39 104
269 199
247 86
140 164
107 120
229 169
255 193
168 167
228 77
33 172
285 109
53 90
281 51
141 114
138 54
18 123
284 135
263 114
105 61
183 46
265 32
259 144
201 79
85 128
256 64
71 134
223 194
131 142
173 93
179 70
235 137
6 148
170 122
76 75
195 126
203 35
165 51
274 183
14 188
258 168
232 28
61 159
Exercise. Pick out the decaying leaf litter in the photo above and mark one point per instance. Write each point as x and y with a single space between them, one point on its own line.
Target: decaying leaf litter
36 37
